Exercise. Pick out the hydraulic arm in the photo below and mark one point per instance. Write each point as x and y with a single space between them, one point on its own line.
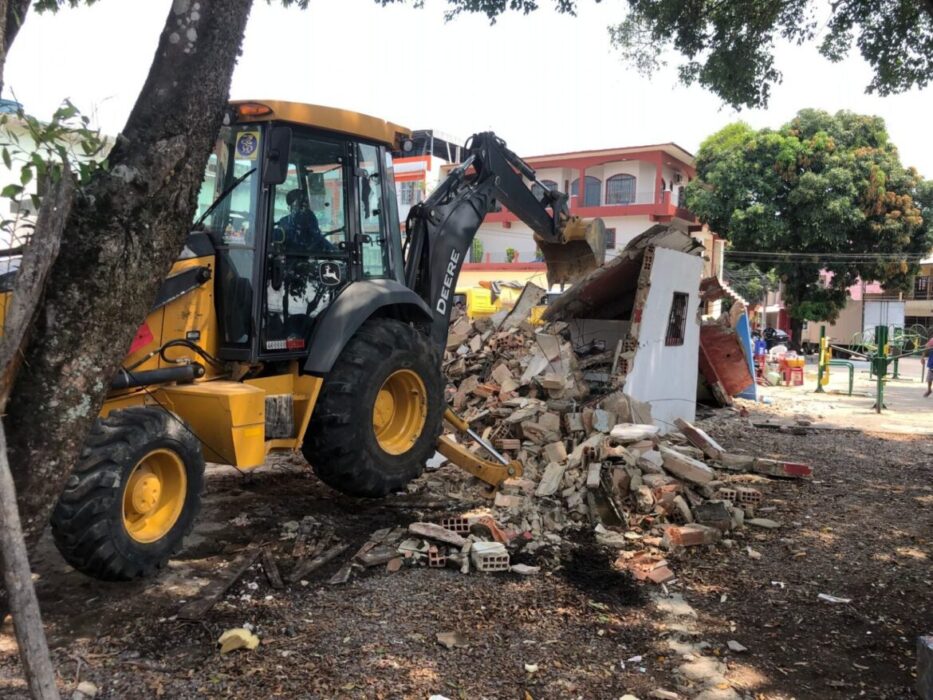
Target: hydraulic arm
441 229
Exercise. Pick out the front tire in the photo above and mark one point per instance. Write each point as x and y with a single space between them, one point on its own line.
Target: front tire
133 496
379 413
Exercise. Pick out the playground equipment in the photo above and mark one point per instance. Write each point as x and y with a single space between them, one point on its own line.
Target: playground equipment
825 361
882 349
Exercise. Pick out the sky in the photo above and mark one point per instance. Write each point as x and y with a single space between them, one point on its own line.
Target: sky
546 83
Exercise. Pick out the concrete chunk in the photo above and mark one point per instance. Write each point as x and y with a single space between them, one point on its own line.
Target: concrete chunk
734 462
592 475
686 467
633 432
550 481
786 470
436 532
698 438
715 514
555 452
690 535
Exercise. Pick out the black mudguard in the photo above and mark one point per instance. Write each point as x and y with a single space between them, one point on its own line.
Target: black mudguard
358 302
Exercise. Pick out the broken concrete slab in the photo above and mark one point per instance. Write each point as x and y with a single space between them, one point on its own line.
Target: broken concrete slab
556 451
633 432
764 523
686 467
785 470
699 439
715 514
436 532
531 296
550 480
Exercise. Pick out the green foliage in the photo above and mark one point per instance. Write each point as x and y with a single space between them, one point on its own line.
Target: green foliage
43 152
492 8
728 47
510 254
829 186
476 251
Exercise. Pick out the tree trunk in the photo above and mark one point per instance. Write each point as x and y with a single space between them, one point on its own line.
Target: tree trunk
27 623
12 15
796 333
126 227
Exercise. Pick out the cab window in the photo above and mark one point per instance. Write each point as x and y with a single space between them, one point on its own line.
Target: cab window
372 212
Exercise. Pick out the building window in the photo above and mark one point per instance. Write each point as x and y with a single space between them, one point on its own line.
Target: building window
620 189
677 322
590 194
409 193
538 192
610 239
921 286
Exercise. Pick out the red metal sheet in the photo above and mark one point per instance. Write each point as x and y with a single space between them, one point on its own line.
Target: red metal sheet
722 361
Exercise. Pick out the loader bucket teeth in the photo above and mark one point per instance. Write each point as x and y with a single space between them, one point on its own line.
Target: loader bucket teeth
583 249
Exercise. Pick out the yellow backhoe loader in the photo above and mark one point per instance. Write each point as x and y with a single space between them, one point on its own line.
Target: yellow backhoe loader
296 317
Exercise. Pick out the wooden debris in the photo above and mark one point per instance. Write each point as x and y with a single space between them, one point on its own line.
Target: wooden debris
271 569
214 591
307 566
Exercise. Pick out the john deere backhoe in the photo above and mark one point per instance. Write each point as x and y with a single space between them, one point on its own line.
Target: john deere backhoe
297 317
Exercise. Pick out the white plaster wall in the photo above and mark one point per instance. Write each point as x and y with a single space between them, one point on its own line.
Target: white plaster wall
627 227
496 239
666 377
557 175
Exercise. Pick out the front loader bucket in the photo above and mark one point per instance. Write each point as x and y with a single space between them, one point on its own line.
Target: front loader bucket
583 250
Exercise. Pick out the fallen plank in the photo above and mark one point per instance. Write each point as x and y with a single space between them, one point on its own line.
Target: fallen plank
307 566
271 569
214 591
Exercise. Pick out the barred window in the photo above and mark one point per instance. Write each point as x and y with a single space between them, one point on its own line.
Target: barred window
677 322
620 189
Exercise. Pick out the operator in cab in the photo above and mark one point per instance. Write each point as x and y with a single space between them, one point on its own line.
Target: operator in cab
302 231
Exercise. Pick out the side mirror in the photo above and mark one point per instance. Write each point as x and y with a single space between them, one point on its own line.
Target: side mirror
275 155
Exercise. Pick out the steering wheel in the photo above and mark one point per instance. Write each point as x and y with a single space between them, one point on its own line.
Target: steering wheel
335 232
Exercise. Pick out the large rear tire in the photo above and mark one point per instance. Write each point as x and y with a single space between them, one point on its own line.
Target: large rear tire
377 419
133 497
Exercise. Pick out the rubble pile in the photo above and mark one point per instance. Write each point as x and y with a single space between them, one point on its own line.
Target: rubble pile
592 456
593 459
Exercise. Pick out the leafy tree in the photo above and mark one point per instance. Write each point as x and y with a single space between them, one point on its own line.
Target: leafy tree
823 192
728 45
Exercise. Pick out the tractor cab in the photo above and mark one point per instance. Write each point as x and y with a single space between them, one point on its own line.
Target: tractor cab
299 202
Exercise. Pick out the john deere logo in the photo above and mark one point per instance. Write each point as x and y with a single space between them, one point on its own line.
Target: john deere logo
247 143
330 274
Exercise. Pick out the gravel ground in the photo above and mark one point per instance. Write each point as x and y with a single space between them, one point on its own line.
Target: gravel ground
861 529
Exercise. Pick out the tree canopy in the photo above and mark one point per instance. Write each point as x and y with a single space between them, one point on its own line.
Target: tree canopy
822 193
728 47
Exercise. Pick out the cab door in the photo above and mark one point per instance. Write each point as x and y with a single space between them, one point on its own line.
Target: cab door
308 246
377 241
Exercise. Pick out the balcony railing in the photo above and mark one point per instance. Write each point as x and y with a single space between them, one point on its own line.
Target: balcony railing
921 290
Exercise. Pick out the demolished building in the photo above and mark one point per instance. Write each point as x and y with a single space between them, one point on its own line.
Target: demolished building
644 306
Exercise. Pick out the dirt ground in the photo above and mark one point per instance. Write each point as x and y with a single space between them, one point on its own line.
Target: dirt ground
861 529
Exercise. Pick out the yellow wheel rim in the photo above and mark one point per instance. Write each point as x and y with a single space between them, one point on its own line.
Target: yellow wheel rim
154 496
400 411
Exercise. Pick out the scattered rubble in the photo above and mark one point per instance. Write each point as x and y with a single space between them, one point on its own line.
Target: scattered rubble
594 459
